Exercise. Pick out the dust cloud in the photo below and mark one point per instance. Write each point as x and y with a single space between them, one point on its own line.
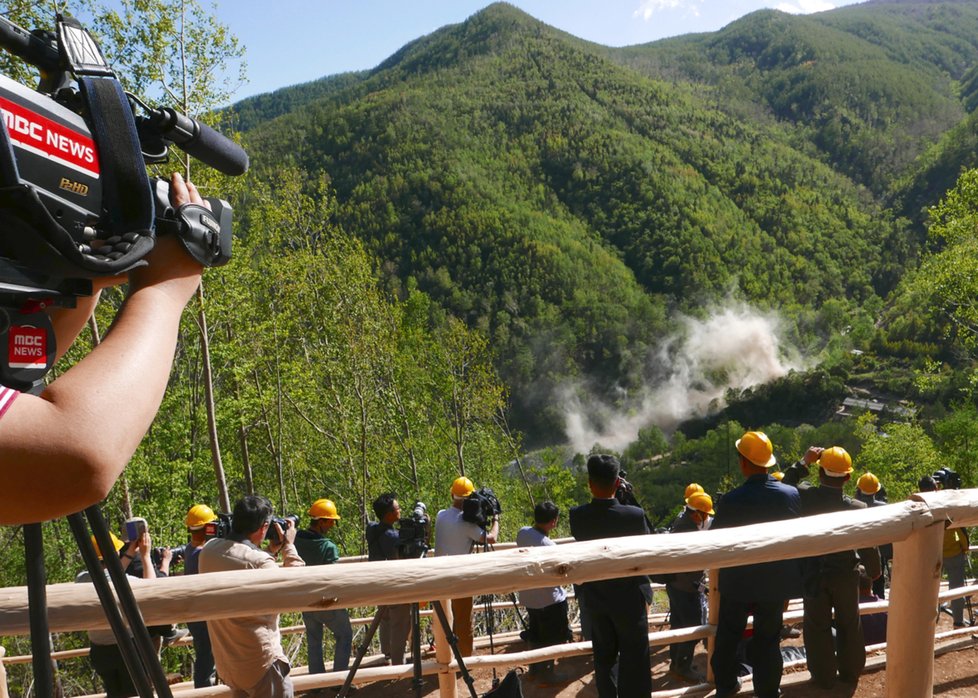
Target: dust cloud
734 347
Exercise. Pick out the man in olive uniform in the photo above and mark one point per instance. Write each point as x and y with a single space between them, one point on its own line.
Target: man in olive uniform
832 581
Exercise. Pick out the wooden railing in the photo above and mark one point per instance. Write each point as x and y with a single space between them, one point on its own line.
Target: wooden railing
915 527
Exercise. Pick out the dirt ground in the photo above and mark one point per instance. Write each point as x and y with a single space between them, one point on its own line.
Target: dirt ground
955 676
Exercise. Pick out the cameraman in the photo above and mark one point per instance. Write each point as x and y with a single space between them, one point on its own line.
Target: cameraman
248 650
455 536
956 543
50 463
316 549
382 544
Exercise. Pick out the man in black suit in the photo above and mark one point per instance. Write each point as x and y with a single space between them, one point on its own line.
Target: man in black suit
620 628
758 590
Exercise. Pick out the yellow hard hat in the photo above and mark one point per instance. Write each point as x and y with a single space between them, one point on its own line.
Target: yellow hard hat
757 448
691 489
199 515
836 461
868 483
116 543
778 475
462 487
701 501
323 509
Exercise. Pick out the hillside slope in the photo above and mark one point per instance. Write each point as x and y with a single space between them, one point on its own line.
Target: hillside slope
565 203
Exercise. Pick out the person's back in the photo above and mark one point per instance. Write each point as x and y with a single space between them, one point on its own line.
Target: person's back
616 607
760 499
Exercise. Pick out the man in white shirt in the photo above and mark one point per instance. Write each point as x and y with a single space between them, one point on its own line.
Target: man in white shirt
455 536
545 606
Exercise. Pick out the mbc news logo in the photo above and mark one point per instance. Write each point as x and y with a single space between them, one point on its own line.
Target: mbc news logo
27 347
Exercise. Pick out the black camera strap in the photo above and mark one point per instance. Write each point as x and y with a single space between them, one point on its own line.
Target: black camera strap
127 198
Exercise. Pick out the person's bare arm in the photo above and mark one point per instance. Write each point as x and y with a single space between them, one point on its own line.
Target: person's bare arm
62 451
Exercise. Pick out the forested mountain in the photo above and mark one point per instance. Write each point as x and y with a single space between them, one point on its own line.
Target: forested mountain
564 197
869 85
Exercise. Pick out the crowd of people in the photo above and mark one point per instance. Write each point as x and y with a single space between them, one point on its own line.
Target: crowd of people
246 653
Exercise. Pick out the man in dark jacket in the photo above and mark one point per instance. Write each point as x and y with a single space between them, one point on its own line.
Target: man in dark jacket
619 617
687 602
831 582
759 589
382 544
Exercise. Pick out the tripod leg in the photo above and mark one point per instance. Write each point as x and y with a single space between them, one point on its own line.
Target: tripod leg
381 613
418 681
140 635
126 647
453 641
37 608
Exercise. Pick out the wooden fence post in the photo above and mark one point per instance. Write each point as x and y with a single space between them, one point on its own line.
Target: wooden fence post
913 613
447 687
4 693
713 615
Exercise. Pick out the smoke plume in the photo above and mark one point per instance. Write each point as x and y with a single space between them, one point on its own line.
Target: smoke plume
734 347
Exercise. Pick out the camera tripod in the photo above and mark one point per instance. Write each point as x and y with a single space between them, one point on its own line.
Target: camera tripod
417 681
131 635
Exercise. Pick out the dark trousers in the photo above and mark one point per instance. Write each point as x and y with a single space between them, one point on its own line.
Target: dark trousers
621 635
203 655
764 650
838 591
548 626
685 611
111 667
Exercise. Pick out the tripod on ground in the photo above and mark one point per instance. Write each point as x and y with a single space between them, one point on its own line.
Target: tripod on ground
417 682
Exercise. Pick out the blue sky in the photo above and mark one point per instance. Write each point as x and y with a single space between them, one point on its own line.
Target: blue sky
293 41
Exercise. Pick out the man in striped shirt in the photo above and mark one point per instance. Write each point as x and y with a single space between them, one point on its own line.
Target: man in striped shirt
61 451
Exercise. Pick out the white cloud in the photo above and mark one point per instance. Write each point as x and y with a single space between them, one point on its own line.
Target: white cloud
650 7
805 7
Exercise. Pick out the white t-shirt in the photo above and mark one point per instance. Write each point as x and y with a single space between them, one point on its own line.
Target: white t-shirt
541 597
453 536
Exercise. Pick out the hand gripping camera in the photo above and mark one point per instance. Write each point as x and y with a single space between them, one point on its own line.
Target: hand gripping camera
75 199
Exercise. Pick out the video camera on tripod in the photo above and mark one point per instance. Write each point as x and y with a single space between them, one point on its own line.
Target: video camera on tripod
414 532
75 199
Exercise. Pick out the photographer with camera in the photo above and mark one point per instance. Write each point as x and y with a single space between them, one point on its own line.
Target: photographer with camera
160 560
383 543
104 654
956 542
197 519
248 650
316 549
52 432
455 535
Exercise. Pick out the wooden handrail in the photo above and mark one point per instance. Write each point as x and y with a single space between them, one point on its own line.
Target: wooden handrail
912 525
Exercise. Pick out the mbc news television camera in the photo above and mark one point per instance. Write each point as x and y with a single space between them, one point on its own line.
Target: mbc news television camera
481 507
76 201
414 532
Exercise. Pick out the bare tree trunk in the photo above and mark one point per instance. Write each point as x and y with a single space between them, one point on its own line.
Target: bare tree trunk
246 459
504 424
222 485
